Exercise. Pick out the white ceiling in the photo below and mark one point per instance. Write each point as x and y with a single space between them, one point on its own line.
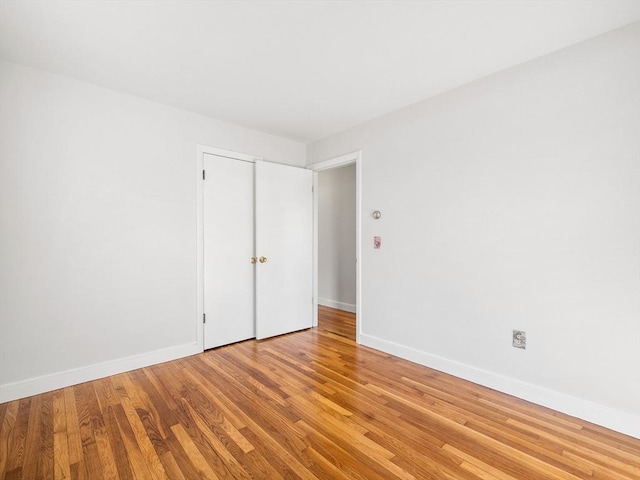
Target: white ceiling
302 70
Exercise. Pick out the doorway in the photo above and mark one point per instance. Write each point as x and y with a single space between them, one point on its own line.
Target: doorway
337 266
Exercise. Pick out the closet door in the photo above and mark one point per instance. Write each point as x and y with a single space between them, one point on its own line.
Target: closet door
284 243
228 250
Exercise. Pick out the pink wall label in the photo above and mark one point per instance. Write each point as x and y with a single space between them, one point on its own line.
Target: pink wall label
377 242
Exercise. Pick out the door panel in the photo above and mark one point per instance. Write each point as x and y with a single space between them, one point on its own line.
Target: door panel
284 229
228 248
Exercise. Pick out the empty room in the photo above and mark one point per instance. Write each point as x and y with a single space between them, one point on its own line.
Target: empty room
367 240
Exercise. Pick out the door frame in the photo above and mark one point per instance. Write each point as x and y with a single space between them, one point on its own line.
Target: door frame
336 162
201 150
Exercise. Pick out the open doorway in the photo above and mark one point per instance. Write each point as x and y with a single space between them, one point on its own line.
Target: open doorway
337 241
337 250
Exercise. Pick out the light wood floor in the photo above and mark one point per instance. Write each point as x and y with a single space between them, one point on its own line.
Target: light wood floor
337 321
306 405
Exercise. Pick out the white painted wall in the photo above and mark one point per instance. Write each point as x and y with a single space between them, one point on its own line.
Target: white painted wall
98 227
513 203
337 238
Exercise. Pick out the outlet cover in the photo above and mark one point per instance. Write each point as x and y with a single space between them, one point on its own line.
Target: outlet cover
520 339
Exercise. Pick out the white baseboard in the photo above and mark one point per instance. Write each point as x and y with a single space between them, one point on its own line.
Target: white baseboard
347 307
620 421
47 383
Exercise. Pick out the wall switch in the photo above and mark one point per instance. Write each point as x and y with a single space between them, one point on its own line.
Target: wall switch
520 339
377 242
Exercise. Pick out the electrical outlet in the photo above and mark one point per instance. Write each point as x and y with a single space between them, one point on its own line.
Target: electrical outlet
520 339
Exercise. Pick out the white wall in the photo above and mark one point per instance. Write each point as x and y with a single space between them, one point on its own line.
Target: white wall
513 203
337 238
98 227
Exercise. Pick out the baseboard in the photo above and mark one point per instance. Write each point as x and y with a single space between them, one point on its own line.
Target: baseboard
617 420
47 383
347 307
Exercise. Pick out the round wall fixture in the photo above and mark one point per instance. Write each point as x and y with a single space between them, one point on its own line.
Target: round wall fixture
376 214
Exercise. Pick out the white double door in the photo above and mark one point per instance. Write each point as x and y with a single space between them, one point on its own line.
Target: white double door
258 264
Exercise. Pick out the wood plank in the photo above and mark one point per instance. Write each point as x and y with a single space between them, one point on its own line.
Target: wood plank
46 451
62 466
74 441
6 429
32 439
18 437
145 443
105 454
114 436
195 456
139 465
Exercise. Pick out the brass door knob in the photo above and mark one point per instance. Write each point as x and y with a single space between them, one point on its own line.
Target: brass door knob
253 260
263 259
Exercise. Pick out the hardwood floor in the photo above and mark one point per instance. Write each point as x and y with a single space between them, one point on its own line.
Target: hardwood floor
305 405
337 321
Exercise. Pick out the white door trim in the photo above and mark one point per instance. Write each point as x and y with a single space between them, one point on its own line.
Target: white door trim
200 151
341 161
